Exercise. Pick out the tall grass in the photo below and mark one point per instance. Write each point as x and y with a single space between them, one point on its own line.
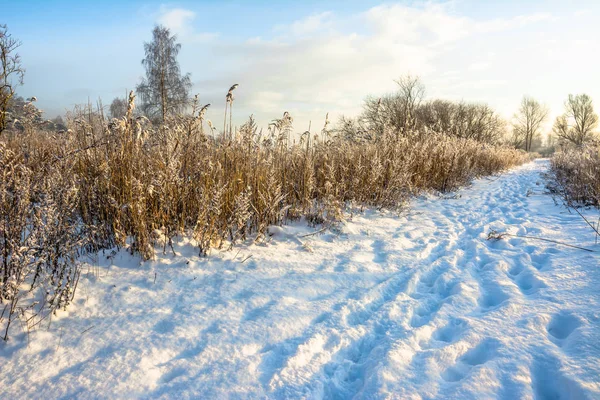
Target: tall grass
577 174
129 183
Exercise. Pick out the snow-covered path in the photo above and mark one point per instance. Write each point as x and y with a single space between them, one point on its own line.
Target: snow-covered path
419 305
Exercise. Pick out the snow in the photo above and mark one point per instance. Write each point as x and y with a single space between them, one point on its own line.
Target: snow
415 305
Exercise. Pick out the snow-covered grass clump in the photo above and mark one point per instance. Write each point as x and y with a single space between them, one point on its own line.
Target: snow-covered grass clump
577 174
128 183
416 304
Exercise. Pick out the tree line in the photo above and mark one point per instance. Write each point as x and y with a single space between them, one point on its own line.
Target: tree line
165 91
407 112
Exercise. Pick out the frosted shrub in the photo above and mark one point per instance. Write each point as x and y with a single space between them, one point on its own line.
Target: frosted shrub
577 174
41 236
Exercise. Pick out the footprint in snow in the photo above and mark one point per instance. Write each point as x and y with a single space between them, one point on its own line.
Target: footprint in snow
492 298
542 260
562 326
259 312
482 353
164 326
425 313
451 332
529 284
516 270
549 382
321 318
172 375
379 251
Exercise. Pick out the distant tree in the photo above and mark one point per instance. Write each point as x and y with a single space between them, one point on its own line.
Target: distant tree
58 120
352 130
551 140
395 111
578 122
164 90
412 93
548 146
437 115
58 123
11 72
405 112
478 122
527 123
475 121
118 108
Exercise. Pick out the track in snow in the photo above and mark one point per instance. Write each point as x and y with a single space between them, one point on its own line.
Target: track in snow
413 306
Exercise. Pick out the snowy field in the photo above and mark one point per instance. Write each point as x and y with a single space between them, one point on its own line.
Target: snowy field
409 306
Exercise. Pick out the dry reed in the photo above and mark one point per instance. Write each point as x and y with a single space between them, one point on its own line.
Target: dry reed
129 183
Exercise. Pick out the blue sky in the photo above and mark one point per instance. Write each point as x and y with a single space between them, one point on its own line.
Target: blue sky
313 57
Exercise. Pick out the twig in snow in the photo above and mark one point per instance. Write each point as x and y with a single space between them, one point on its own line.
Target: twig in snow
314 233
494 235
88 329
250 256
585 219
568 203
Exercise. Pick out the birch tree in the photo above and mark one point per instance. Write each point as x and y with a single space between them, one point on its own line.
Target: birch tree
164 90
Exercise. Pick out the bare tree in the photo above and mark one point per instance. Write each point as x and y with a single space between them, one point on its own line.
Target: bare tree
11 72
479 122
412 93
352 130
437 115
528 121
578 122
118 107
164 91
475 121
397 111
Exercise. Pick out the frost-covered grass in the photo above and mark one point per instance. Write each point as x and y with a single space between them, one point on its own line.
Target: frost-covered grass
410 304
130 184
577 173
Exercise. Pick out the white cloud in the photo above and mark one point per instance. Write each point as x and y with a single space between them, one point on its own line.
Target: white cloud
430 25
334 71
328 63
479 66
307 26
497 25
268 101
177 19
180 21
